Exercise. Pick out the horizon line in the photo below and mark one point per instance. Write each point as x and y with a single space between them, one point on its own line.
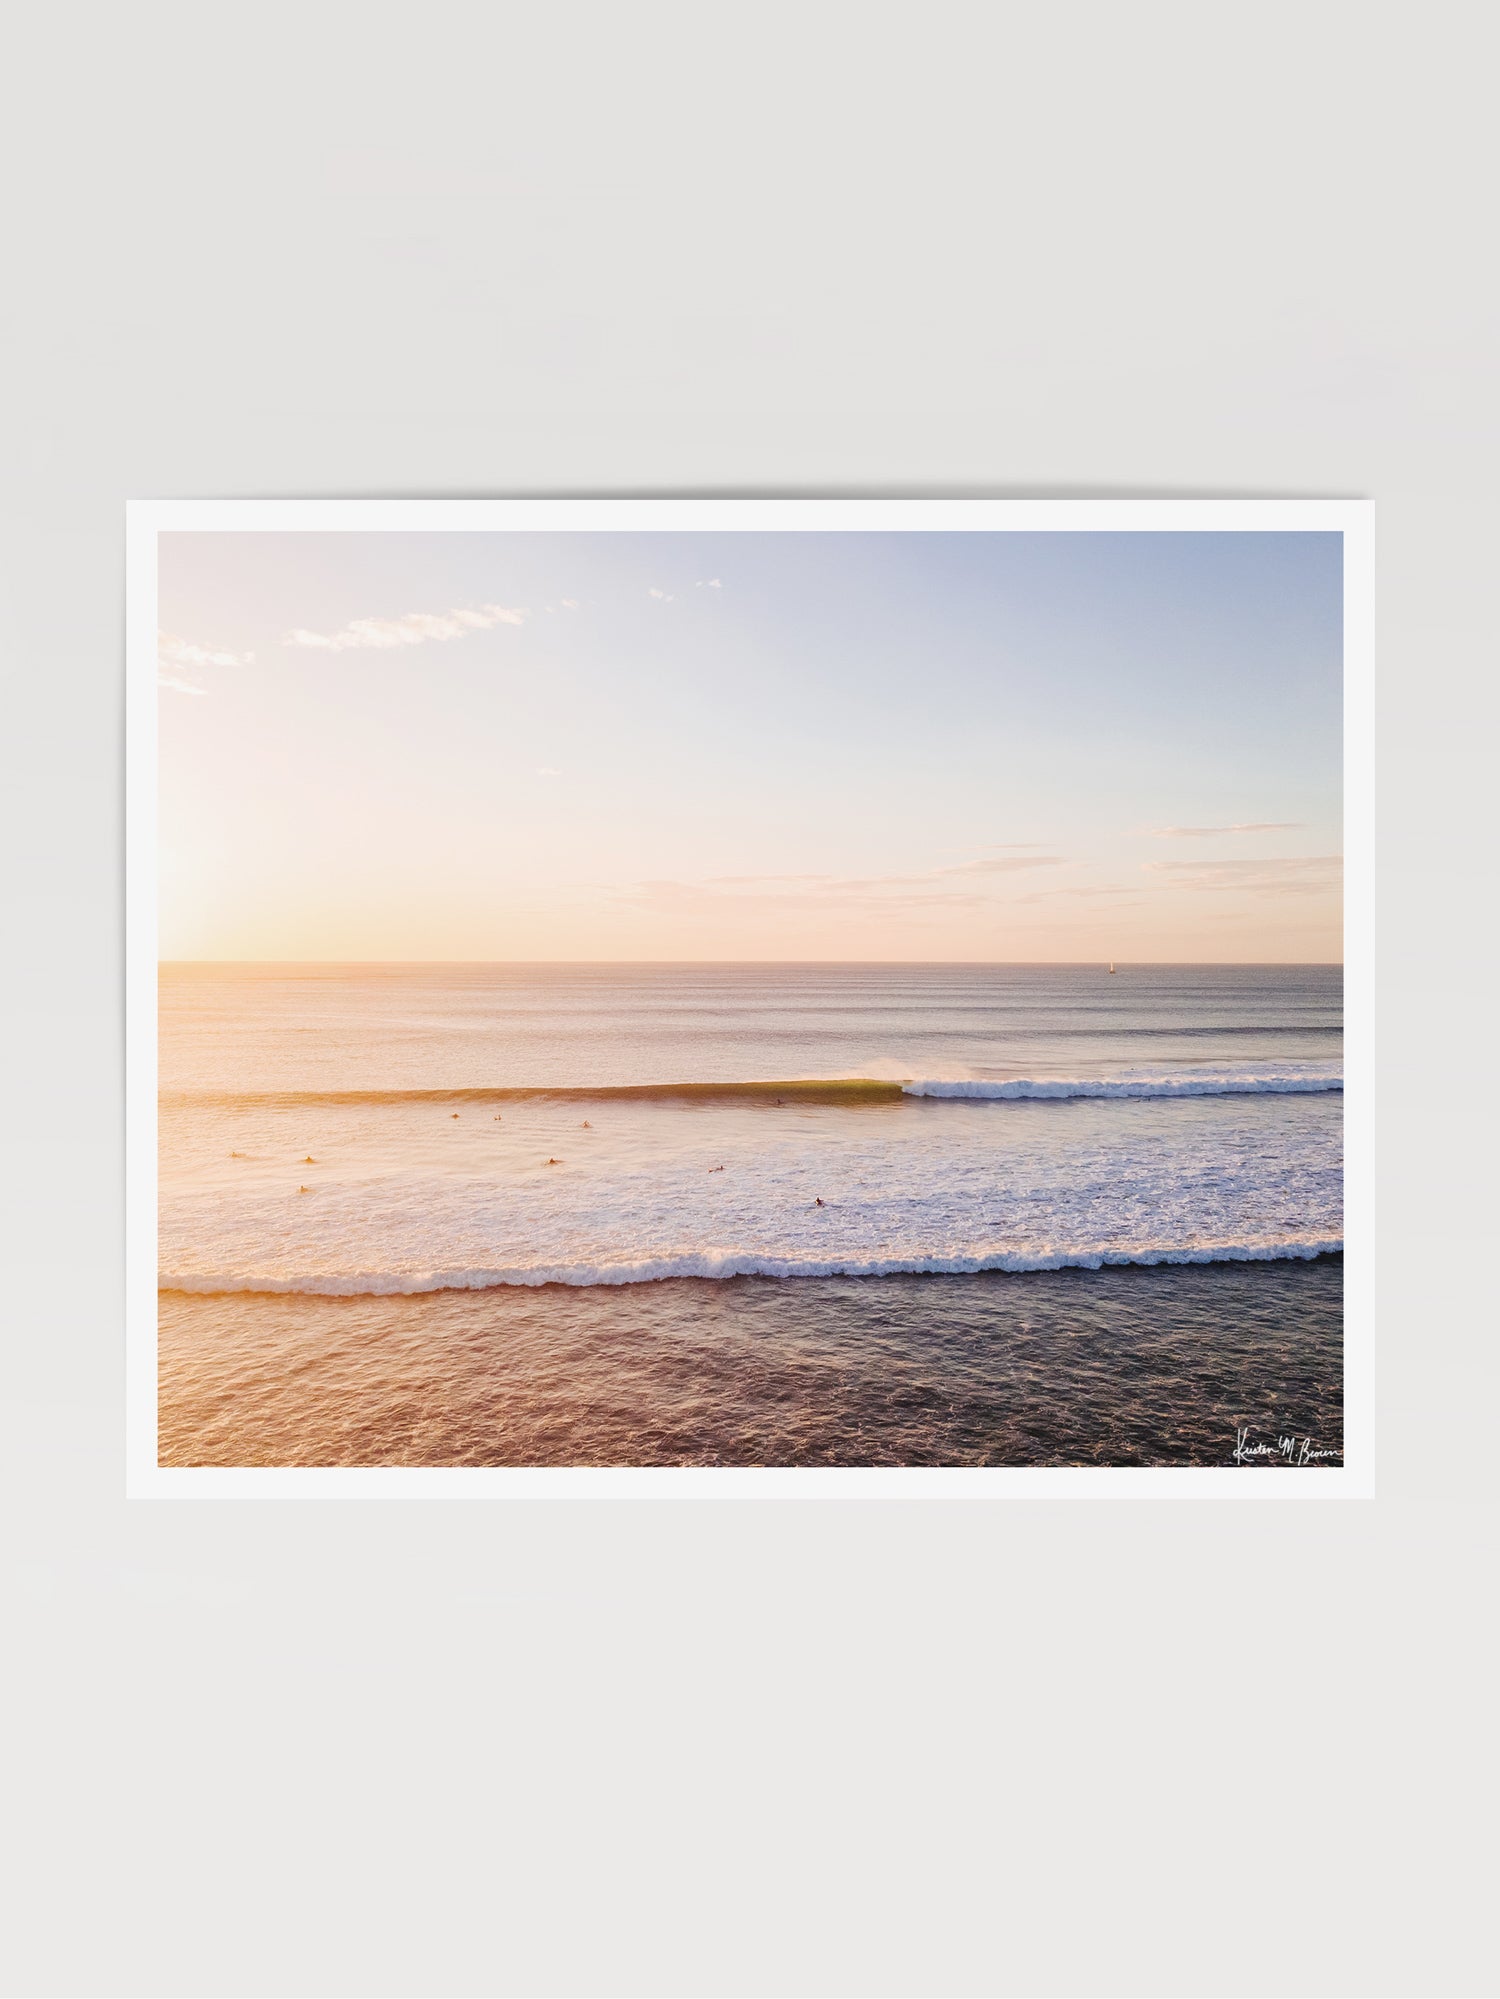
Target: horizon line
1153 963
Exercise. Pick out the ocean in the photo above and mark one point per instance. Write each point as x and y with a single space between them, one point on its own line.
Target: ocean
741 1214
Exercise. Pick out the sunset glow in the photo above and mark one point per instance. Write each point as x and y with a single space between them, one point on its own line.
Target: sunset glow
750 746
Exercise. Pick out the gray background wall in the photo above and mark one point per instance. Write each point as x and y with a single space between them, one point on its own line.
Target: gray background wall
462 249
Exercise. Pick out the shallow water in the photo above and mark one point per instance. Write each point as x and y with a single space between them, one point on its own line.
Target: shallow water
406 1128
662 1215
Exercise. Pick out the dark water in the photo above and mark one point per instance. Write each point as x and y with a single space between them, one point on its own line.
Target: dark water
1133 1366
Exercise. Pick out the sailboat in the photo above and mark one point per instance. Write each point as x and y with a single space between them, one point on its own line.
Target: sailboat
1111 965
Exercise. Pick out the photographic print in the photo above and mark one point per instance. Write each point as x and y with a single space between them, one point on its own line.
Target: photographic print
847 993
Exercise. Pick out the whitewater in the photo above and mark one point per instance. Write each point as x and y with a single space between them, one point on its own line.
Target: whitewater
378 1131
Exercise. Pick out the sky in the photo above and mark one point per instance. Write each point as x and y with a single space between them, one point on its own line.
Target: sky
979 747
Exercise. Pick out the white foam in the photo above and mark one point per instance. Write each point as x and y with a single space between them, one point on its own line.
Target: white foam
398 1283
413 1199
1283 1084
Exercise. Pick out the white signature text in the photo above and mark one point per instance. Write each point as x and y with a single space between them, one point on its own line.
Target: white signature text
1285 1450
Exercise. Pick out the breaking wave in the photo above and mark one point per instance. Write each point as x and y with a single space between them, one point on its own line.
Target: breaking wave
366 1284
815 1090
1189 1085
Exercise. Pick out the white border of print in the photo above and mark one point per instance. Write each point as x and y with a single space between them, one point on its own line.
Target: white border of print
147 519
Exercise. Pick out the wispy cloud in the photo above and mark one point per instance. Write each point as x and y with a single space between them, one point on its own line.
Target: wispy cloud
569 603
1090 890
548 770
415 629
173 651
709 583
175 656
1305 874
661 596
816 899
1212 832
996 864
927 888
984 866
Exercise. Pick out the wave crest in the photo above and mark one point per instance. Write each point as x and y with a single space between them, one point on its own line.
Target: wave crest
1055 1087
834 1090
379 1284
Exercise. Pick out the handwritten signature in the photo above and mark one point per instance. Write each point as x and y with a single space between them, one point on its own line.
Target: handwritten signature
1285 1450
